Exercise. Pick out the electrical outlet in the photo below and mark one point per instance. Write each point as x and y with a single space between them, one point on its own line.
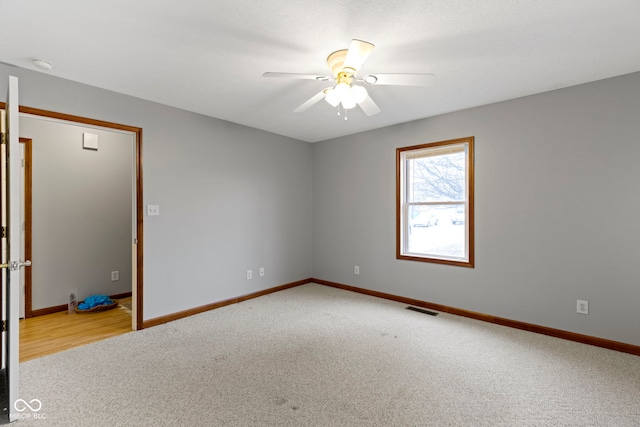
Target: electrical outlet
261 271
249 274
115 276
153 210
583 307
356 270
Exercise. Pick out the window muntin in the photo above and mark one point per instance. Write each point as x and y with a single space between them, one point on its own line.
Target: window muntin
435 202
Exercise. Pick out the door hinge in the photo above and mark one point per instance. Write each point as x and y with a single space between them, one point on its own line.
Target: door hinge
4 326
3 230
2 138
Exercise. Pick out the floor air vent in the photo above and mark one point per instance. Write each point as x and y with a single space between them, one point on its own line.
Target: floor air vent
422 310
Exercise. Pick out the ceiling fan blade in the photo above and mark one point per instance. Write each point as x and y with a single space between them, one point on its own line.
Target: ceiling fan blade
357 53
400 79
297 76
369 107
311 101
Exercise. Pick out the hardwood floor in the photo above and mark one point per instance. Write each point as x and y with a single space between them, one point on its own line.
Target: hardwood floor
52 333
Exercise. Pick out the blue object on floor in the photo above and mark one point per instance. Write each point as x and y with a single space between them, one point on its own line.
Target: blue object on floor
94 301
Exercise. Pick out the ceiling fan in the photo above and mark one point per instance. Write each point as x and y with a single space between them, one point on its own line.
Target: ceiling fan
344 65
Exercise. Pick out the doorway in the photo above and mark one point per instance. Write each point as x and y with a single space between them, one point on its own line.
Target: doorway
134 243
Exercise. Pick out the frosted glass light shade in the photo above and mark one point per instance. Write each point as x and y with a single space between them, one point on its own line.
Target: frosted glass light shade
359 93
332 97
349 96
342 90
348 102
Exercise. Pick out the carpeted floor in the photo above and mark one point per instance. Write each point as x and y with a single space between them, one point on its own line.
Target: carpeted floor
318 356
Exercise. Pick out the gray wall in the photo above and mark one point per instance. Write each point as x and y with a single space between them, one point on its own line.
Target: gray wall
231 198
82 211
557 206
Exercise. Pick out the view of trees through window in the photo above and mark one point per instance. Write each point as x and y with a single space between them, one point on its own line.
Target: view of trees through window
434 201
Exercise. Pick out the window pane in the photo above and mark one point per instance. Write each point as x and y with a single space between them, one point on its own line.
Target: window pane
437 178
437 231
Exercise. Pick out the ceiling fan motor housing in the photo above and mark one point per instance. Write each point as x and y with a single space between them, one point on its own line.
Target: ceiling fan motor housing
336 61
344 77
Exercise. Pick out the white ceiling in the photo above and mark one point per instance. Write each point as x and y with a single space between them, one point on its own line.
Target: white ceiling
208 56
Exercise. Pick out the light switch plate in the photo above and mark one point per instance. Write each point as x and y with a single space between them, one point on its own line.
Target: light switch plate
153 210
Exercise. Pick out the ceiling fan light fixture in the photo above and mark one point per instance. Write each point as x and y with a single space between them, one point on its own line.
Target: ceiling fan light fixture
359 93
345 94
342 90
348 103
332 97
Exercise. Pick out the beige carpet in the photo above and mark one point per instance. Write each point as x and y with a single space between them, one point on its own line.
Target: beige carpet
318 356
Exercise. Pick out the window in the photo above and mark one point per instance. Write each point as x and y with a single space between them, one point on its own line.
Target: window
435 202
